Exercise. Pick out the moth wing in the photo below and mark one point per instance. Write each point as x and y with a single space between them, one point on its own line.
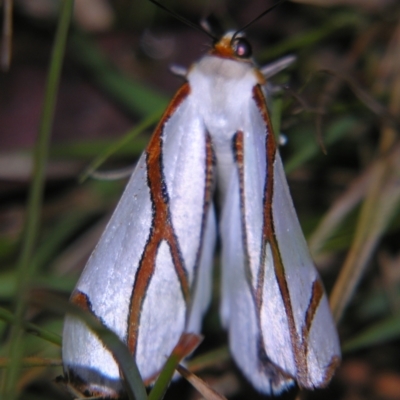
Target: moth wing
149 277
302 298
273 302
238 311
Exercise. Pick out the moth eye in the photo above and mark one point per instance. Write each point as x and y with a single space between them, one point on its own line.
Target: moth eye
242 48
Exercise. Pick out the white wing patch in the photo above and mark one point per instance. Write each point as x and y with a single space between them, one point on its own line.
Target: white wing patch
237 308
88 355
321 345
184 145
202 289
165 296
253 194
299 267
109 274
274 323
107 280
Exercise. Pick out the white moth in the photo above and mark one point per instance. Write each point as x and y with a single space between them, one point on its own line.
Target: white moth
149 277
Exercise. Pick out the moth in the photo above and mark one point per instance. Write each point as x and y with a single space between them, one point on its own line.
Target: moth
149 278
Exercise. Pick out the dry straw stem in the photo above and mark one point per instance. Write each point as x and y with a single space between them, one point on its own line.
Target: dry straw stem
382 197
338 212
202 387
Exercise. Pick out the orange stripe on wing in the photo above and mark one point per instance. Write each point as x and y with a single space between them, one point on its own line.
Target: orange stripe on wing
238 152
299 350
81 300
274 372
317 293
299 344
161 228
208 193
72 377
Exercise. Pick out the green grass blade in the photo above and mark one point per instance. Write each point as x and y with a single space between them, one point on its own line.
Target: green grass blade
186 345
146 123
24 267
34 329
388 329
307 146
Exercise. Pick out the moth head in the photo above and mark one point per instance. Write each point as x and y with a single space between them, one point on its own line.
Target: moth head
234 46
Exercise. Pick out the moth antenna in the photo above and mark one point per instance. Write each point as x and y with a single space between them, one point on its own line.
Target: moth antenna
257 18
184 20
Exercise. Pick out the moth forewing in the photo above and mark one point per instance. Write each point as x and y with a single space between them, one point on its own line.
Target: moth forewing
149 277
275 271
106 282
314 340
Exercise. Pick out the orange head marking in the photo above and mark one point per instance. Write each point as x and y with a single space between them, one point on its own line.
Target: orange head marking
230 46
